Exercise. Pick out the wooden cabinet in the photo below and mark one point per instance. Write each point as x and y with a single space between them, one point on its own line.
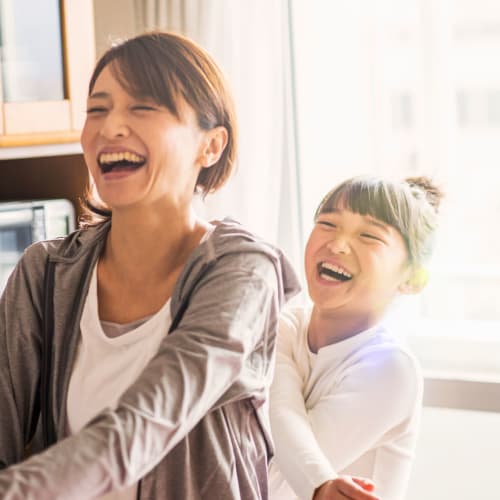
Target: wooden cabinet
44 75
46 177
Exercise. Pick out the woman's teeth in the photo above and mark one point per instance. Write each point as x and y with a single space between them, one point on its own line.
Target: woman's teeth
106 158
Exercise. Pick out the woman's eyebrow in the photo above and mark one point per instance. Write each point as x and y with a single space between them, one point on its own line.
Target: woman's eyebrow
99 95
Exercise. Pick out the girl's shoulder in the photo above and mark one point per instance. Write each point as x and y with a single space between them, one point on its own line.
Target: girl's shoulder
294 321
381 343
385 359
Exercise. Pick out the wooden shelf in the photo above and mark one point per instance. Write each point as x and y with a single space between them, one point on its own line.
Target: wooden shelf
16 140
40 150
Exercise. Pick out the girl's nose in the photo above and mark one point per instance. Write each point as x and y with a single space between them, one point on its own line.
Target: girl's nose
338 245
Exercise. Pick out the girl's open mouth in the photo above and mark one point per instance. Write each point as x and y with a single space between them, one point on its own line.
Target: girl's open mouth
331 272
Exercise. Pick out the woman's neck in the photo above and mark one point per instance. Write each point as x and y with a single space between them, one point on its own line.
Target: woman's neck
151 244
328 327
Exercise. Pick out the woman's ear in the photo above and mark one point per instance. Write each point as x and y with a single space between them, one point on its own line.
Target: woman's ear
416 282
214 144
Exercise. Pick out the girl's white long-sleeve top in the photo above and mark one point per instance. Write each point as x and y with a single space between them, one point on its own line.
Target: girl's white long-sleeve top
353 408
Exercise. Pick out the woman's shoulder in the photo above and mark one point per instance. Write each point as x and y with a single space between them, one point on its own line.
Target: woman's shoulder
72 246
232 256
64 249
229 236
232 245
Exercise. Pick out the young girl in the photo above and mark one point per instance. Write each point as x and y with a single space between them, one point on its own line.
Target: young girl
346 397
157 327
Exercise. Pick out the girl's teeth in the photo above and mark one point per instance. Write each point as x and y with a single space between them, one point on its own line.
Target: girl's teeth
337 269
327 277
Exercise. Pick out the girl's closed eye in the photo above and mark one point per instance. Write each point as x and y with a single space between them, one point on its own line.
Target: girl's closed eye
326 224
372 237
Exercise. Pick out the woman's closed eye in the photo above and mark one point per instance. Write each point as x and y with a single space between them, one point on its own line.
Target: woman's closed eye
96 109
144 107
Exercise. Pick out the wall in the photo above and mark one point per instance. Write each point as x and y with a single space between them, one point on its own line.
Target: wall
457 456
113 19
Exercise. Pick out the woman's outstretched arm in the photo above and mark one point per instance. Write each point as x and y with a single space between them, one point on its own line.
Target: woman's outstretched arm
203 364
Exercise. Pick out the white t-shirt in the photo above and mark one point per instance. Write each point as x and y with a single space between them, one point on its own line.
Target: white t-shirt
353 408
110 357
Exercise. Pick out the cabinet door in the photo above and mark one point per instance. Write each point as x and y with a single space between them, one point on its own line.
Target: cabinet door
47 55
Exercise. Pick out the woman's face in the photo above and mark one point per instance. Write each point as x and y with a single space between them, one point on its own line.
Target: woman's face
137 151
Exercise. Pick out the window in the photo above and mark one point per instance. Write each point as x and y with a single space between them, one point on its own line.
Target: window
478 108
403 88
32 66
402 111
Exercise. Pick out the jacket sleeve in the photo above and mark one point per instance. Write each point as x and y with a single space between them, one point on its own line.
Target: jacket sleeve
19 356
202 364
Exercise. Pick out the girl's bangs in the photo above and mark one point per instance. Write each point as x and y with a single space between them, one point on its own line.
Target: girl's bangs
365 198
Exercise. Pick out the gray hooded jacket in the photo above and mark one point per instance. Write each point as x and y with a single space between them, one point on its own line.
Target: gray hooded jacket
193 425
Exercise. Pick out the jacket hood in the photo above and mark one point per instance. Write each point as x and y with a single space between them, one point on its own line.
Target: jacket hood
228 237
70 248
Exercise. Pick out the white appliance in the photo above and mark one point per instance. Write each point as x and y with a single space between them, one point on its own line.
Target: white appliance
25 222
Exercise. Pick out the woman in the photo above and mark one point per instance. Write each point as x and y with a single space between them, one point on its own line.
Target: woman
163 324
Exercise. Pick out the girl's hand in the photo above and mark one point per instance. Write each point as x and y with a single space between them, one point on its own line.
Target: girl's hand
353 488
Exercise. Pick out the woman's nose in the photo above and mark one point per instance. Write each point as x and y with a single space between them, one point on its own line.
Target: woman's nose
114 126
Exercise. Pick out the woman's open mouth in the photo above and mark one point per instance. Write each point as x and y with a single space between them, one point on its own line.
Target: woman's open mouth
120 162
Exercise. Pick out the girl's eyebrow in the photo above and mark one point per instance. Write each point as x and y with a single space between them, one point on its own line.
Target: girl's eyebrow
374 222
368 219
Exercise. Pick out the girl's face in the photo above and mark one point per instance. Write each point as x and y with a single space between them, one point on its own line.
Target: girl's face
355 264
137 151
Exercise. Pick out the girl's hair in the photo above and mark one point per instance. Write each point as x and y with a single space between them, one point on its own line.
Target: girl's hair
165 67
411 206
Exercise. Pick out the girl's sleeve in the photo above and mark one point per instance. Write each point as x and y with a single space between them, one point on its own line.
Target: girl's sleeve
19 356
298 455
378 395
203 364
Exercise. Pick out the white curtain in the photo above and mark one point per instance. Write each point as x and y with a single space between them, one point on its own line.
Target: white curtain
251 41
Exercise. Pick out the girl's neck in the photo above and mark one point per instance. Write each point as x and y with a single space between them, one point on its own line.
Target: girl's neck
328 327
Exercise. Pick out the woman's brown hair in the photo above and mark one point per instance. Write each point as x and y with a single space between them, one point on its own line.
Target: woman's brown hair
165 66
